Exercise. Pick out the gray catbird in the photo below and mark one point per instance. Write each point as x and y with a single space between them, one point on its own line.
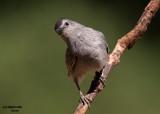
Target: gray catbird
86 50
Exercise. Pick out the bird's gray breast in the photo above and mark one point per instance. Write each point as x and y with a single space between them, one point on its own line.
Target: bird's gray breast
90 50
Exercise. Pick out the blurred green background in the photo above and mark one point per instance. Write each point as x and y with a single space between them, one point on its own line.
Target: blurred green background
32 69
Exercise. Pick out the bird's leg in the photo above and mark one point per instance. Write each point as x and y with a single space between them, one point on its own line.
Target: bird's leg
101 78
83 98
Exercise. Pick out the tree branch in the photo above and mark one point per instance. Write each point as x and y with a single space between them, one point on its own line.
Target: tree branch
125 42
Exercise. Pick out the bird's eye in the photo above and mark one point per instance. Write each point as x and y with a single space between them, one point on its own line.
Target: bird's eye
66 23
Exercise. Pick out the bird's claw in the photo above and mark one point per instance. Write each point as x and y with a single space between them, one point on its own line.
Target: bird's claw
102 80
84 99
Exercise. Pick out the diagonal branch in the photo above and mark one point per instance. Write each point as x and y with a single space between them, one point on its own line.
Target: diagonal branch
125 42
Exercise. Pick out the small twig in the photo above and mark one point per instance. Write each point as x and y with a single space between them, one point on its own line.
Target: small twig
125 42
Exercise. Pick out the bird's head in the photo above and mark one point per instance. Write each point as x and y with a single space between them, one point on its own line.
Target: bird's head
65 26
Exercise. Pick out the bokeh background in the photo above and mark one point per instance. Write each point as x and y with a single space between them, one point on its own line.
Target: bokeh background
32 69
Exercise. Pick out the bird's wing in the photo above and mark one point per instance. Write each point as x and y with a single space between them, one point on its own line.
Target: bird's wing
104 40
71 61
107 48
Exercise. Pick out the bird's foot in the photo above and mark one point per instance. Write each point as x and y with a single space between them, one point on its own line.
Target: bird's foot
84 99
102 80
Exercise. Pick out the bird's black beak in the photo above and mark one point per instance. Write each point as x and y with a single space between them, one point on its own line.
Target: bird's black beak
58 27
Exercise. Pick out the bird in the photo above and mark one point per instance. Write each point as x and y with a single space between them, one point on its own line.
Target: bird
87 51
